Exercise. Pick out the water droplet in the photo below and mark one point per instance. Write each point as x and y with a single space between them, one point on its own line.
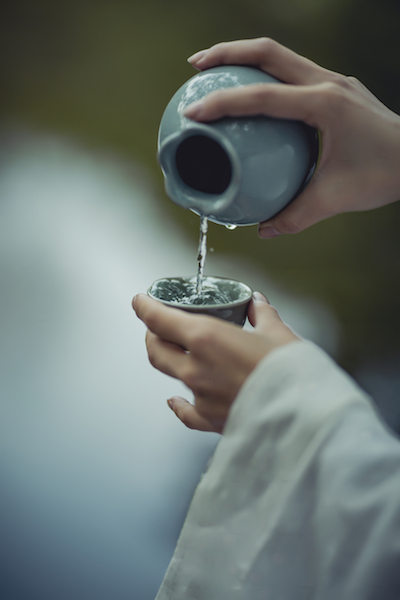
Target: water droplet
230 227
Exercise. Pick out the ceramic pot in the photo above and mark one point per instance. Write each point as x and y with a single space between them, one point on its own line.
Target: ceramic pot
234 171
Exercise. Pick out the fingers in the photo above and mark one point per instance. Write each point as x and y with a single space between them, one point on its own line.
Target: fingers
266 321
293 219
165 356
261 314
319 201
272 99
187 413
264 53
170 324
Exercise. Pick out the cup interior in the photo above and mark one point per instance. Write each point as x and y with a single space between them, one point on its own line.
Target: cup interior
221 297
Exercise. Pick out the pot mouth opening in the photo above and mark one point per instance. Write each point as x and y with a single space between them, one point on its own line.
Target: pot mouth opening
203 164
201 168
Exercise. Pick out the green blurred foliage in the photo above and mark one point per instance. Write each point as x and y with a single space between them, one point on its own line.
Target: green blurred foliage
102 71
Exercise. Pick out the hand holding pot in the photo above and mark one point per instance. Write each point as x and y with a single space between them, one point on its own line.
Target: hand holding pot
359 164
234 171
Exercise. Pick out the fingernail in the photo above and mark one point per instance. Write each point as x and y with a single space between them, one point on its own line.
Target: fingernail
259 297
170 404
267 232
193 110
196 57
134 302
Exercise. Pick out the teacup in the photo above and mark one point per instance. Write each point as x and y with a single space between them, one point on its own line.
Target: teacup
221 297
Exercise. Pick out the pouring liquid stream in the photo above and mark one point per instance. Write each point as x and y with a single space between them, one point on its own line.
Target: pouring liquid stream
199 289
202 252
201 255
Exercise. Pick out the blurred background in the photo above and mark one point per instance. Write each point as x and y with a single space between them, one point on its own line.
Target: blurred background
95 472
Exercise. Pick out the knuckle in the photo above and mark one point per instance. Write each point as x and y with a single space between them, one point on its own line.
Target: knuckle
348 82
340 84
216 100
152 354
151 318
221 51
266 46
331 95
353 81
221 45
330 89
152 359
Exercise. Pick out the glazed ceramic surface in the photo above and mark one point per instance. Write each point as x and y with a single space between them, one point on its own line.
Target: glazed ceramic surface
235 171
234 310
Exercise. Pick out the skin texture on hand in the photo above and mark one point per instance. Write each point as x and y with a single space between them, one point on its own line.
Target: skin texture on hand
211 357
359 164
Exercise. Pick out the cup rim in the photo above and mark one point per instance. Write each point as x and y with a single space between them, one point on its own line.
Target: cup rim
197 307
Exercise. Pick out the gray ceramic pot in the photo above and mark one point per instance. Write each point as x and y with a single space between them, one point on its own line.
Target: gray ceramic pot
233 307
234 171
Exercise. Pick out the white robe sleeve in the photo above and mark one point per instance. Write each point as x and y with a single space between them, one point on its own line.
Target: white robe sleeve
301 499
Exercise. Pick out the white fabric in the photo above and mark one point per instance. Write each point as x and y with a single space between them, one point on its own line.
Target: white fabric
301 500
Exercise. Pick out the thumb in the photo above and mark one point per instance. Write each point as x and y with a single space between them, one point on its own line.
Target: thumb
266 320
188 414
317 202
259 313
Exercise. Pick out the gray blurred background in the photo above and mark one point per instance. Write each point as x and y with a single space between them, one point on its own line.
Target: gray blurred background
95 471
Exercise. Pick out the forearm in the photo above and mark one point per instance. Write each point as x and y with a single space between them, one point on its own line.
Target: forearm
292 484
